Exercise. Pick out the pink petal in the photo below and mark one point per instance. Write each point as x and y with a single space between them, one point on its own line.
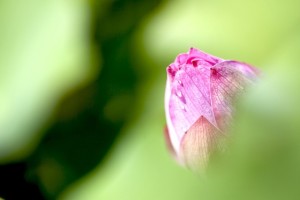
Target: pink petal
187 98
228 80
204 56
181 59
247 70
198 143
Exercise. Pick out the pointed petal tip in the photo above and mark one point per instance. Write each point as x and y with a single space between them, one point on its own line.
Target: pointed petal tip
198 143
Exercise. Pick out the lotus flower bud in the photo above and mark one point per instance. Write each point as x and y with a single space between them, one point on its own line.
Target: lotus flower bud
200 98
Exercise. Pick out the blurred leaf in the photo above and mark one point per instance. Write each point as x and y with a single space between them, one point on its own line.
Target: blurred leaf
43 54
89 120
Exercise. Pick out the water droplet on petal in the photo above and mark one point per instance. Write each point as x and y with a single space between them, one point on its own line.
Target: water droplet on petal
179 82
182 107
179 94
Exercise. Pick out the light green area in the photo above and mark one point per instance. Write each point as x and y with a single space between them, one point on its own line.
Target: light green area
232 29
43 54
263 158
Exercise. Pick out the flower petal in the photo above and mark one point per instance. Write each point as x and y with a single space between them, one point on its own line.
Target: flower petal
198 143
204 56
228 80
247 70
187 98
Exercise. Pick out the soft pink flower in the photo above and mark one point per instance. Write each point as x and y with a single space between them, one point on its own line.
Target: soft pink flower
200 95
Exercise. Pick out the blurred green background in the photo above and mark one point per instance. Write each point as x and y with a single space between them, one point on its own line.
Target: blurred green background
81 98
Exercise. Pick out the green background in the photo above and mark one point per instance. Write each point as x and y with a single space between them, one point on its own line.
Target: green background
82 88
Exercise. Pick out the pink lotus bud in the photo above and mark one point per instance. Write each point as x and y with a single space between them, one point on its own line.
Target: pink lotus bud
200 95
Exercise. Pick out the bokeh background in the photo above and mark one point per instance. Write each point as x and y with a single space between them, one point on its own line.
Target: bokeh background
81 98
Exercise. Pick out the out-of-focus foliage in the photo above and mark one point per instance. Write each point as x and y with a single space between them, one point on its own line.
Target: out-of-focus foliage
90 35
44 52
81 98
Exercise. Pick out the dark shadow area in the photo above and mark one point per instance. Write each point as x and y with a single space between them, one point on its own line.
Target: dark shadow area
14 183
